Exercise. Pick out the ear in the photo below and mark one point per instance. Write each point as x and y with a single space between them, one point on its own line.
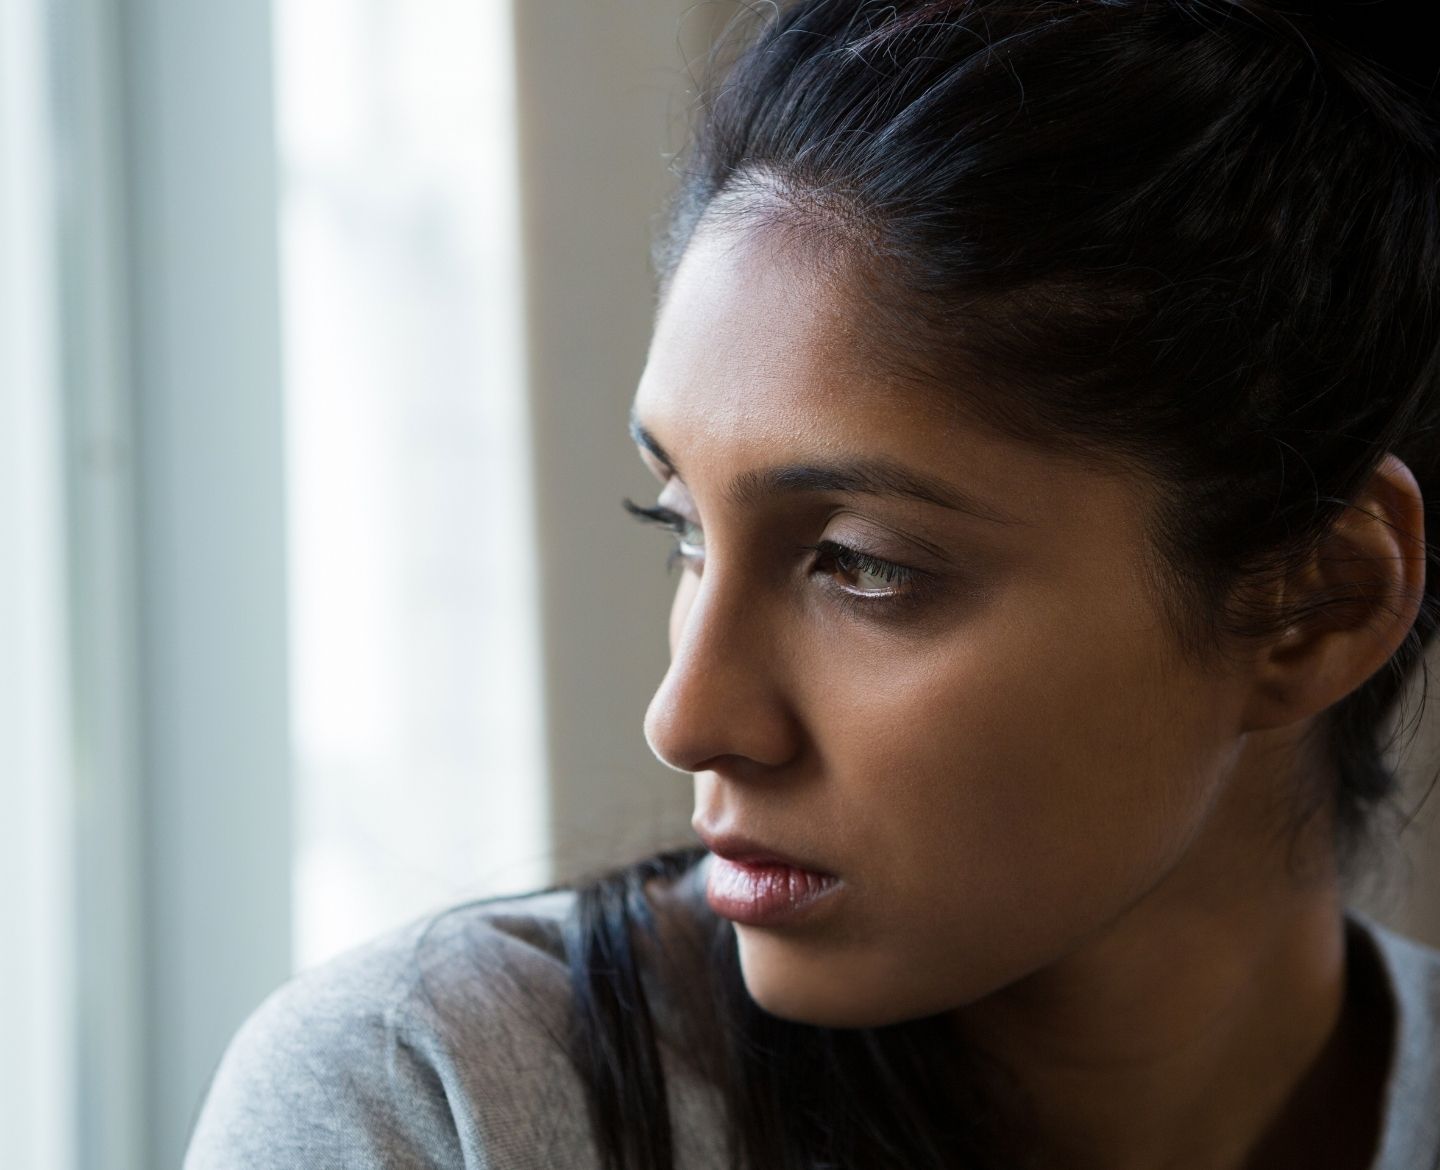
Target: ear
1366 582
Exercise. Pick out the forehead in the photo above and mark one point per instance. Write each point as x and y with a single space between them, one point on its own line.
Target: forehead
761 357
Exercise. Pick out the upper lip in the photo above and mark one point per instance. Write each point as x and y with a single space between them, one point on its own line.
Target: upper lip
747 850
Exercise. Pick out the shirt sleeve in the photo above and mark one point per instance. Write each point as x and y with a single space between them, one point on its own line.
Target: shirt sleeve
327 1075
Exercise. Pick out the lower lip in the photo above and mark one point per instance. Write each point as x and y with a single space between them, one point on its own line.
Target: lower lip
764 894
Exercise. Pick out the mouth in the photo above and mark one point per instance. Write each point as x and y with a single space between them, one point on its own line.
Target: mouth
746 851
753 884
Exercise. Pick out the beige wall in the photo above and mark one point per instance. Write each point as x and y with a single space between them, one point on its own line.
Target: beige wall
601 98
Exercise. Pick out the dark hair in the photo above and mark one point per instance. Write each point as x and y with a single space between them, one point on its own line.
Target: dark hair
1197 238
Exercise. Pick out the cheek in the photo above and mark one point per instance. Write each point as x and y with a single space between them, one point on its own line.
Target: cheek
1004 793
1025 760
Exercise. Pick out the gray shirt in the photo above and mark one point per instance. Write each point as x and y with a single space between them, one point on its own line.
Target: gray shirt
441 1046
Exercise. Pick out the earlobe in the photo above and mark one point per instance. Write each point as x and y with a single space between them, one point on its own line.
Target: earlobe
1355 601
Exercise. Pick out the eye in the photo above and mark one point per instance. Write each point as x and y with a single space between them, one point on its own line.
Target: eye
860 574
689 537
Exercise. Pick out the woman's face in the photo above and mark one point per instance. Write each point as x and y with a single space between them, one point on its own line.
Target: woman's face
976 718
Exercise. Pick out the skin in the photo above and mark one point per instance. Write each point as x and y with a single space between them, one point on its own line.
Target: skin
1052 828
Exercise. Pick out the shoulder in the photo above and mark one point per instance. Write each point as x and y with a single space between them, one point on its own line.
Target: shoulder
1410 1137
442 1043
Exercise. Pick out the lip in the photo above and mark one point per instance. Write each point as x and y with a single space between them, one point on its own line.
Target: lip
747 851
754 885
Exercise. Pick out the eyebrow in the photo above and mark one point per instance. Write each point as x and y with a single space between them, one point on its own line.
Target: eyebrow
871 477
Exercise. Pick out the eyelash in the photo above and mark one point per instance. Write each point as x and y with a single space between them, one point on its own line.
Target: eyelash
672 522
847 559
832 556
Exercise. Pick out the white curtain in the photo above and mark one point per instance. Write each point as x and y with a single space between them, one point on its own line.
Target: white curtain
37 962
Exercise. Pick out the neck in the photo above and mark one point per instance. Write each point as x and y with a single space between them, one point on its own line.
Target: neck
1189 1032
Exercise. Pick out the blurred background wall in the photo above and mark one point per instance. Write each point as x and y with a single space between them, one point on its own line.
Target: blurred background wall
320 324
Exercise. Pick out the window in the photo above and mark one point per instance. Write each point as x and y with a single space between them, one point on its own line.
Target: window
415 694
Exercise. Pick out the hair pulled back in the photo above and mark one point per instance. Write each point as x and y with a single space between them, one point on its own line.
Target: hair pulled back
1195 238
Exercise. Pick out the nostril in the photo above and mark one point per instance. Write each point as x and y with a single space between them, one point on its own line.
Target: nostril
737 730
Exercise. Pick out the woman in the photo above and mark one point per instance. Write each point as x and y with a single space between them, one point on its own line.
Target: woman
1043 396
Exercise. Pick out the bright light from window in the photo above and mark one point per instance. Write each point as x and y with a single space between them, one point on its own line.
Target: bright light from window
419 768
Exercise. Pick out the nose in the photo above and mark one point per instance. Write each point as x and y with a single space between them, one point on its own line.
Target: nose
722 704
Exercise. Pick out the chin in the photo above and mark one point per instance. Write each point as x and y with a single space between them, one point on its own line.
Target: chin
808 985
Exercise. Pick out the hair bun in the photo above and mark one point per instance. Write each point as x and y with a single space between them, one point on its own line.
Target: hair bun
1395 34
